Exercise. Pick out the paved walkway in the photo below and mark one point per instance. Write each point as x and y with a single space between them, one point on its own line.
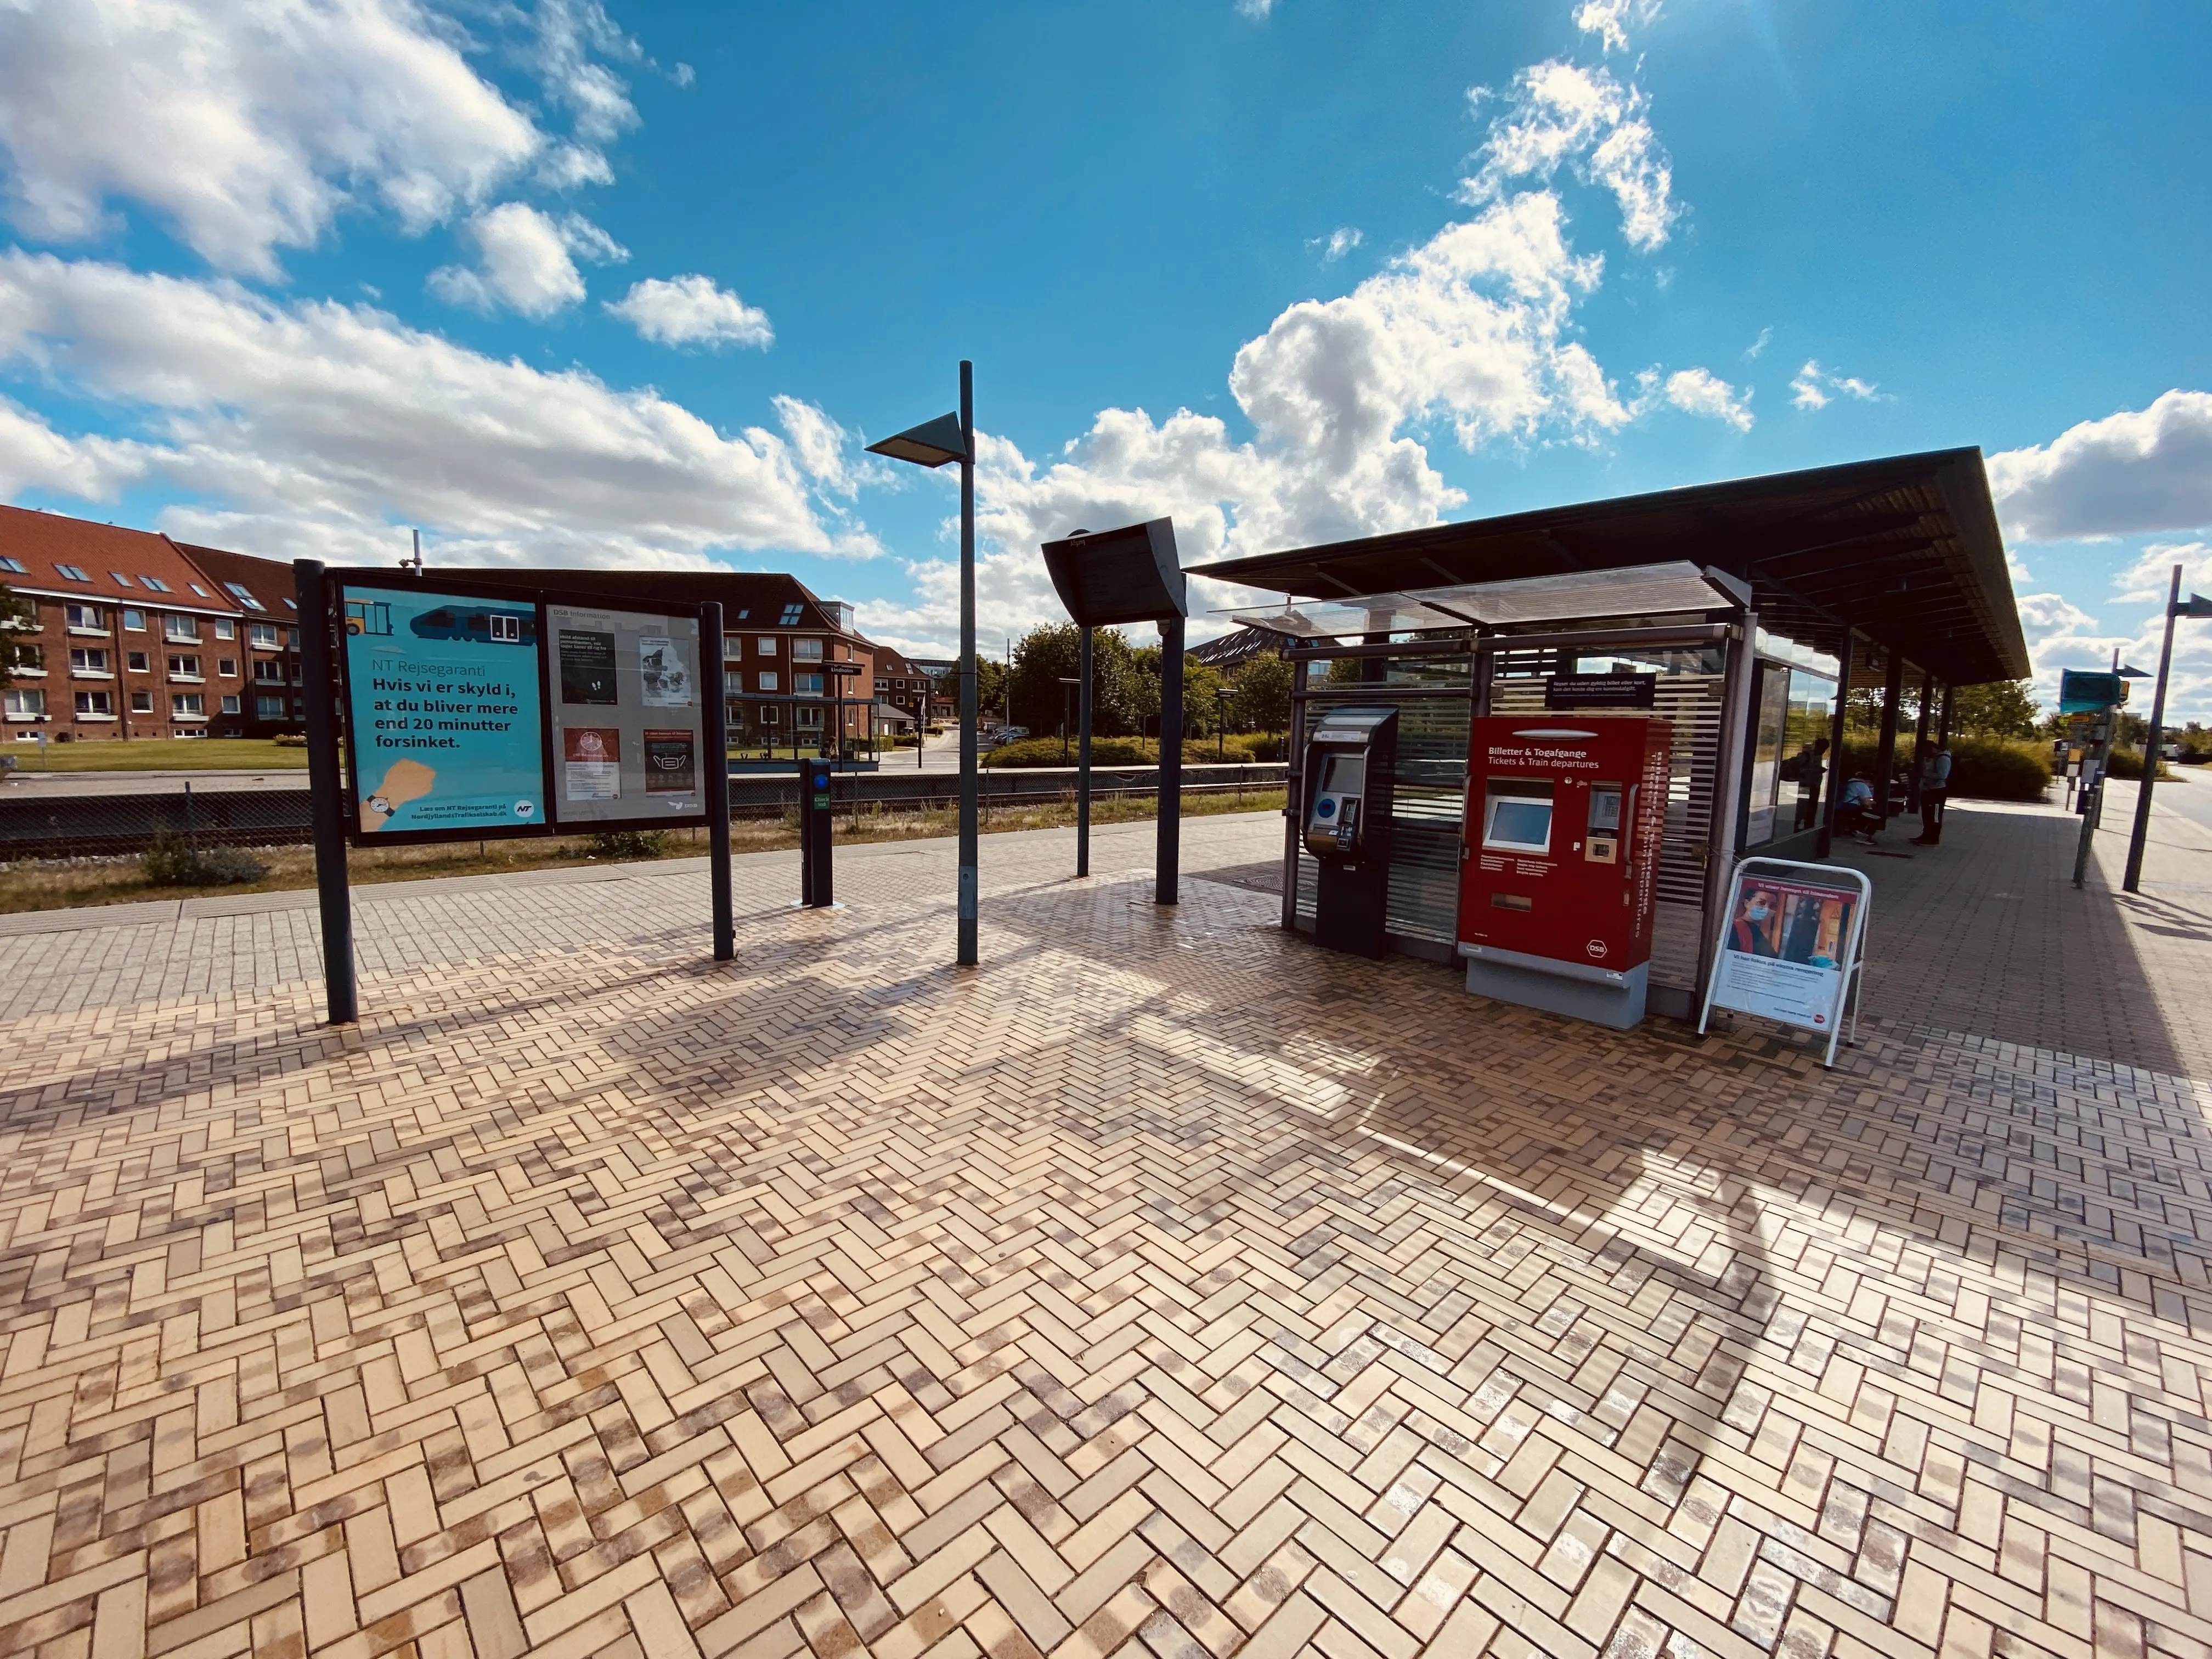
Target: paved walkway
1166 1287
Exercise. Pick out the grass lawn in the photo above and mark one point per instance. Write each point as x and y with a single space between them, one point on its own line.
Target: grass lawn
158 755
56 884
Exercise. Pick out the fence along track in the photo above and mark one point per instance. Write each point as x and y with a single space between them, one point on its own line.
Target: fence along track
45 826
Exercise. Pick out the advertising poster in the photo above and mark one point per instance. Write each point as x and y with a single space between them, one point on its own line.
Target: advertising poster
628 724
443 713
1784 951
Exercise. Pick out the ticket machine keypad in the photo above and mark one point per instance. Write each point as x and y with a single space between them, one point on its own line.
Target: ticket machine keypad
1602 844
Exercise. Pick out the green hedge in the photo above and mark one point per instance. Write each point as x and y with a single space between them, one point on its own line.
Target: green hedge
1985 768
1133 751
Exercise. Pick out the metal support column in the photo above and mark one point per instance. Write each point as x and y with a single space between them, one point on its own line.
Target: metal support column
1728 781
1085 703
1836 773
1294 757
1170 852
968 877
325 787
1919 742
714 766
2154 740
1893 690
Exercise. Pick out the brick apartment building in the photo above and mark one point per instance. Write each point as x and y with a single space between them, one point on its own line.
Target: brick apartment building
904 685
133 635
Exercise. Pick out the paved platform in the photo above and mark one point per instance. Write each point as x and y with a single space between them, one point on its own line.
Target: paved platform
1164 1287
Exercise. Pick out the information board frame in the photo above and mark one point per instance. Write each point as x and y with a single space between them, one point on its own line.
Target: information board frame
1849 976
345 583
706 681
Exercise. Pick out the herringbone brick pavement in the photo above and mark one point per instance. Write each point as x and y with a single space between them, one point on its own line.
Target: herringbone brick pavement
1164 1288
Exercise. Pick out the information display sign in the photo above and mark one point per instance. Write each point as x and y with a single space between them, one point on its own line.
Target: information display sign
443 713
1792 946
628 717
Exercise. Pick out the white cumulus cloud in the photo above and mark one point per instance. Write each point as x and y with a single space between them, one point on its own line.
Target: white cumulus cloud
1564 114
1815 387
692 311
1610 20
1702 393
316 425
524 261
246 127
2139 471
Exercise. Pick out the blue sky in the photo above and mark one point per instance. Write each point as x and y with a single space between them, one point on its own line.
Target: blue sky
566 284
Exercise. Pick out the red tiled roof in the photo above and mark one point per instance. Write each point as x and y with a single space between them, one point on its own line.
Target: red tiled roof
119 566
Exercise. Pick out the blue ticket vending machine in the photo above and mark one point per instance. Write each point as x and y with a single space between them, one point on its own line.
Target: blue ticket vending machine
1350 764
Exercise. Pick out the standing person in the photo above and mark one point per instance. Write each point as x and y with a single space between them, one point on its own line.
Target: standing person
1935 789
1806 768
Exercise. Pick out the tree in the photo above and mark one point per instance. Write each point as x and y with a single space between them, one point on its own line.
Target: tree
1263 694
2001 709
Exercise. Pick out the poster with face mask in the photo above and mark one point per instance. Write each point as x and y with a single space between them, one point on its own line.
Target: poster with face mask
1784 948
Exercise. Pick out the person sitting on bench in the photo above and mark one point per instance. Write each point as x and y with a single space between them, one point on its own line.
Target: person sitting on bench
1856 814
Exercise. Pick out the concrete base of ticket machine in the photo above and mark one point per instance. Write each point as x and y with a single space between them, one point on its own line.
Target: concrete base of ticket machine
1573 988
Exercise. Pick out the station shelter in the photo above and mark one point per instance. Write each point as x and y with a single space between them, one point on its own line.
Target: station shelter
1752 608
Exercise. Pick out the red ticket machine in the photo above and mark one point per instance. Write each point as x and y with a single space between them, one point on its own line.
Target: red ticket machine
1564 815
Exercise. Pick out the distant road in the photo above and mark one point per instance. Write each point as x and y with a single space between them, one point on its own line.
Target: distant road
28 785
2191 795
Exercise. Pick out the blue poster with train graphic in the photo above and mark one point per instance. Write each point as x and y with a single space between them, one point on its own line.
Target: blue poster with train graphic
444 711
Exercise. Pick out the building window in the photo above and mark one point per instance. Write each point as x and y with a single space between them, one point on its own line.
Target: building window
27 659
246 599
155 583
96 705
85 661
809 718
230 704
733 683
268 671
188 705
806 650
263 635
134 619
765 645
269 709
72 573
204 593
806 685
137 663
185 631
226 666
15 565
770 714
121 581
768 681
225 628
88 618
292 638
142 703
791 613
184 668
25 704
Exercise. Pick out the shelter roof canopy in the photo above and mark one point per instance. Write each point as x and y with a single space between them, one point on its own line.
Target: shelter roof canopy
1905 550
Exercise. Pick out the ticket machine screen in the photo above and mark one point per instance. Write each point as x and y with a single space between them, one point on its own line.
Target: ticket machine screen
1518 823
1344 775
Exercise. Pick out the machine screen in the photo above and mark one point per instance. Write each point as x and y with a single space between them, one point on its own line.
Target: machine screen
1344 775
1518 824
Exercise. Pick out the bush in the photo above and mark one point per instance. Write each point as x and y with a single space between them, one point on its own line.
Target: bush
1985 768
173 861
629 843
290 740
2128 764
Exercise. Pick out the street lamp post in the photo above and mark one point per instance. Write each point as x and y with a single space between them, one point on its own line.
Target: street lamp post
1223 697
2154 739
1069 683
934 443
